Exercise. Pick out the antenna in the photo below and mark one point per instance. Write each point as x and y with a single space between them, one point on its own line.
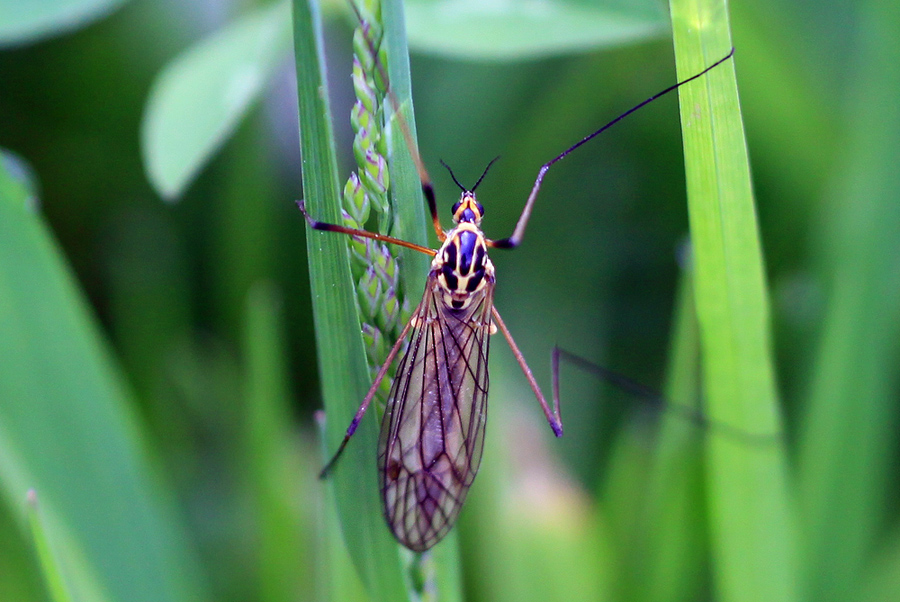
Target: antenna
461 187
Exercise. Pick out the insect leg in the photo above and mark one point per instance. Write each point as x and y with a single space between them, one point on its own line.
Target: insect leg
326 227
655 398
517 235
368 399
553 416
614 378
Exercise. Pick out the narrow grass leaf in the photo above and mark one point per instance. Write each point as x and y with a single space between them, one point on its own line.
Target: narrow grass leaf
342 361
406 190
50 568
503 30
338 578
531 532
847 445
881 578
280 479
752 526
198 99
26 22
675 558
67 431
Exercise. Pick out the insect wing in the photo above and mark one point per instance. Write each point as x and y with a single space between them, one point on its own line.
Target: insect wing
432 433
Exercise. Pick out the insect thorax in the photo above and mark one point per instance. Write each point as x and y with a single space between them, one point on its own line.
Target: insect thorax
462 266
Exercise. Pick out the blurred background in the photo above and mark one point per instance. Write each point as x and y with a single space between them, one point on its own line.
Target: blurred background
202 300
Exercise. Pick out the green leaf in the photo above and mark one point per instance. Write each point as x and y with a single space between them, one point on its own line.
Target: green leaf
530 531
669 556
882 575
849 436
406 188
752 531
67 430
280 474
17 180
509 30
24 21
49 563
342 360
199 98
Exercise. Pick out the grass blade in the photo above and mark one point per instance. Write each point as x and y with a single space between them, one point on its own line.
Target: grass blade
68 431
200 97
406 190
342 361
752 531
849 437
28 22
676 554
491 31
279 473
53 577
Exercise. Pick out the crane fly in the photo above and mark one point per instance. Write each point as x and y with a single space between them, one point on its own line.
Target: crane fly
432 432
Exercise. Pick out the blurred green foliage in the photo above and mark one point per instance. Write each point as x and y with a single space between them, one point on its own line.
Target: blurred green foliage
158 371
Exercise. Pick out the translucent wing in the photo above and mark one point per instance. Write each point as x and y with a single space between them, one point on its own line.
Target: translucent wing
432 433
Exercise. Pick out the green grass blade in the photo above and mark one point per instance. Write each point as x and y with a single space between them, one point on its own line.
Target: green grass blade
25 22
342 362
653 495
654 498
752 531
337 575
882 577
676 554
530 532
473 29
849 436
280 477
56 585
67 429
406 190
199 98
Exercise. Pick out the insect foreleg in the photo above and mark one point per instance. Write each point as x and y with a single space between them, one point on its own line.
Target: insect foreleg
553 416
326 227
368 399
516 239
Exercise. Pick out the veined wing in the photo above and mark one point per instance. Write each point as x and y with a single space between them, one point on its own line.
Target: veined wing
432 433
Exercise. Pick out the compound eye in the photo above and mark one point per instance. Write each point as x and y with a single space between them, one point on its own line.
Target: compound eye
456 207
480 209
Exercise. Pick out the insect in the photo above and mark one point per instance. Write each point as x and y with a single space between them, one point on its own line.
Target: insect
432 432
